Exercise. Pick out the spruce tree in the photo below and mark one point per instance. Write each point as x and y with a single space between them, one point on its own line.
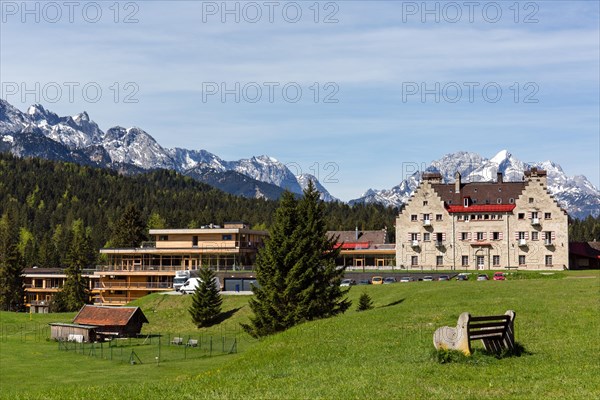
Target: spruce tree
75 293
364 302
11 264
130 229
206 300
296 270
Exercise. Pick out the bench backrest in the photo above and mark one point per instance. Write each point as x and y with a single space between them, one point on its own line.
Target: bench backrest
495 331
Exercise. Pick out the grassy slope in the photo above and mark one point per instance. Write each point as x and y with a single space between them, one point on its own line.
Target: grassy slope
385 352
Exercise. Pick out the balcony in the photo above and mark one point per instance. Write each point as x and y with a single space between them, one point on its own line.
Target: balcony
535 221
426 222
414 243
439 243
522 242
548 243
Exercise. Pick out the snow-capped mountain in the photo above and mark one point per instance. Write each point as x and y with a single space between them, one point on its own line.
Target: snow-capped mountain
42 133
575 194
303 180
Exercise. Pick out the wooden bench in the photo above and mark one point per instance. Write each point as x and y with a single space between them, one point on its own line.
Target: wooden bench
496 332
192 343
177 341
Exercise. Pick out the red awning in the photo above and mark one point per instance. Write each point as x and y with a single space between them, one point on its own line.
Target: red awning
353 246
485 208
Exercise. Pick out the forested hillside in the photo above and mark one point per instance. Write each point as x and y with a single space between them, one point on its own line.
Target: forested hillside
45 199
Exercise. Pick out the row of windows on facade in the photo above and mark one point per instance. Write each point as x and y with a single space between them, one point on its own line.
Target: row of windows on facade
165 238
468 200
533 215
480 236
479 260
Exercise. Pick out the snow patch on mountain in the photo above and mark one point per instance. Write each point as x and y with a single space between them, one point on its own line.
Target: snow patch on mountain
304 179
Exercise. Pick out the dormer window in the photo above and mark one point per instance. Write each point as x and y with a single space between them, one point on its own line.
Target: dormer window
466 202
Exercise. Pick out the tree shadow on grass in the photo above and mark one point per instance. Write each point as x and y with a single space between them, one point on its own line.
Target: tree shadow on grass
393 303
225 315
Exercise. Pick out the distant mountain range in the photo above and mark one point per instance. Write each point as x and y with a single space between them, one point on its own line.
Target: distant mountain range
42 133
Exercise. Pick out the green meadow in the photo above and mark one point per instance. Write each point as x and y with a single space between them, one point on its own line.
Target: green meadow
386 352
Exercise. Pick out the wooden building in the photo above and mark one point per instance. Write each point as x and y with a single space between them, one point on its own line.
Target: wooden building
112 321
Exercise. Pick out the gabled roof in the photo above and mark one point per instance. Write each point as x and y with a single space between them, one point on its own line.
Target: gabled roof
480 193
107 316
372 237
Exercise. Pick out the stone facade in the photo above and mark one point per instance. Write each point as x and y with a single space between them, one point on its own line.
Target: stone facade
482 225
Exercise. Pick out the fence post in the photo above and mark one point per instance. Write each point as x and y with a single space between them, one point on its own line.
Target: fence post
159 340
210 350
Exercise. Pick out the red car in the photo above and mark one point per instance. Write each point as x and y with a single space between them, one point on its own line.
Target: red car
499 276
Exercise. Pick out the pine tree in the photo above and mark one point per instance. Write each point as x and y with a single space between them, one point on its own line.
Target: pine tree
296 270
206 300
364 302
129 230
11 263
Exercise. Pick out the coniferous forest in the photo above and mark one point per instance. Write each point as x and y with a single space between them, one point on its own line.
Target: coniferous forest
47 200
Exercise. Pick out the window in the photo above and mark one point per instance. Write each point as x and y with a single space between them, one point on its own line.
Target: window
496 235
466 202
530 200
414 217
439 237
521 216
547 215
499 200
511 200
534 214
486 216
464 236
426 236
534 235
414 260
226 237
439 260
459 217
480 236
548 261
521 235
414 236
465 261
521 260
466 218
426 217
496 260
425 202
163 238
438 217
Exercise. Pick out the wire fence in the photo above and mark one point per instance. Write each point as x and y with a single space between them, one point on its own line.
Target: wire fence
144 349
154 348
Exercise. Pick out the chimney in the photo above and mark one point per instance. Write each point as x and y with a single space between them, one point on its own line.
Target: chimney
457 182
499 177
356 234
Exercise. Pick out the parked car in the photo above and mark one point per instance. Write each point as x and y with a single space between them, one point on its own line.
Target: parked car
444 278
348 282
377 280
364 282
499 276
388 280
192 284
428 278
482 277
405 279
462 277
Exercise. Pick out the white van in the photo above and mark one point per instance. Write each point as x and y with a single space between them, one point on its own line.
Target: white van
180 278
191 284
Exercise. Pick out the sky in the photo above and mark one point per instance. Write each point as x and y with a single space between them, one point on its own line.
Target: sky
356 93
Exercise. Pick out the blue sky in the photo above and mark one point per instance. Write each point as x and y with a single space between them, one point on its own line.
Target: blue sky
387 73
